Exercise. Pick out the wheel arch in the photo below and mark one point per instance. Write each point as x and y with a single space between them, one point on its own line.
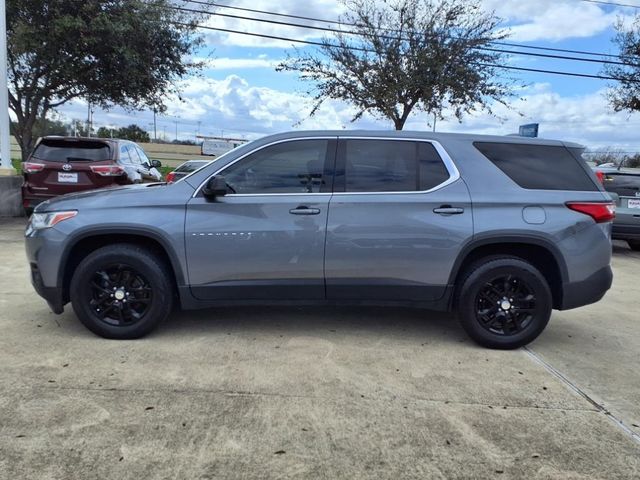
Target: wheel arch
540 252
83 244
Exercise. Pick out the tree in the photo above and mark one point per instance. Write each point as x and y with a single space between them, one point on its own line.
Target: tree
124 52
45 126
625 94
134 133
407 55
104 132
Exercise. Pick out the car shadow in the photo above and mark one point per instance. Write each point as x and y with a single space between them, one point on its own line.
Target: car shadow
400 322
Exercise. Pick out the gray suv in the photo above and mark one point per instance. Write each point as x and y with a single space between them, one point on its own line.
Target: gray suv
500 229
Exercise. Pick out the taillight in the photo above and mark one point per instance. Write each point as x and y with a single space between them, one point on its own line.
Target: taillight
600 177
107 170
171 176
30 167
599 211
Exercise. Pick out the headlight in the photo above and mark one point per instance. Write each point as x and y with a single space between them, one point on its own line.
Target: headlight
38 221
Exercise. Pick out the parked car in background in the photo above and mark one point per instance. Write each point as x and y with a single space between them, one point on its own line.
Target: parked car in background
60 165
469 223
624 186
185 169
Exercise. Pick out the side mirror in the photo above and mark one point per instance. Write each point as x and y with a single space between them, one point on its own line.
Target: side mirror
216 186
156 163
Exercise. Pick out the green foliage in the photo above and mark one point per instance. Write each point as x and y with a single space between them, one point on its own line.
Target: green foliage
104 132
132 132
45 126
124 52
625 94
409 54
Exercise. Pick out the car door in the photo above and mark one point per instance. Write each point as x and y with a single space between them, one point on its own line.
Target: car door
130 167
152 173
265 239
141 167
397 221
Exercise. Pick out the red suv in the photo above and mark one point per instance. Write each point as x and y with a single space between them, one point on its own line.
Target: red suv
60 165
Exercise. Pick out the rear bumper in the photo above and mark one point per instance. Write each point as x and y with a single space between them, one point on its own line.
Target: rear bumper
626 232
578 294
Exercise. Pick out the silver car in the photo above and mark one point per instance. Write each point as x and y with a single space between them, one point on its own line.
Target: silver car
624 186
468 223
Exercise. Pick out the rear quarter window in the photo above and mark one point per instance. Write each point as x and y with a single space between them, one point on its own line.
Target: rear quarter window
538 167
72 151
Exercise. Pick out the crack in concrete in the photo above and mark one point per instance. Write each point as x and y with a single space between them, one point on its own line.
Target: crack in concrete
575 388
241 393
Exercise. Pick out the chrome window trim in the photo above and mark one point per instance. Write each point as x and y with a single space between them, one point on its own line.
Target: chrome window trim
454 173
221 169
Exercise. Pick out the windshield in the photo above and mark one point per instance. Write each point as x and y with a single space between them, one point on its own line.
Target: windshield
62 150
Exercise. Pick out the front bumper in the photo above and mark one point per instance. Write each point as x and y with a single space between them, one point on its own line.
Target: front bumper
53 295
578 294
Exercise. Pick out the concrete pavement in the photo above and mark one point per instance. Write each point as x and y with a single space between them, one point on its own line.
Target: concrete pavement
316 393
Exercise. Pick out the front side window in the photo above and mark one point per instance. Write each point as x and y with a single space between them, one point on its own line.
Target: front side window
392 166
124 154
289 167
142 155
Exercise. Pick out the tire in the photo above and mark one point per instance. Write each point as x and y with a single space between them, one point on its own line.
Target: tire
142 291
634 245
28 211
486 309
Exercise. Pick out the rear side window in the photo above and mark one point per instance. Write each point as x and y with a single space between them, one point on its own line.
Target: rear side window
392 166
538 167
72 151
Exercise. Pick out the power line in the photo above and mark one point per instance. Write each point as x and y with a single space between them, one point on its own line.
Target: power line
310 42
614 4
337 22
350 32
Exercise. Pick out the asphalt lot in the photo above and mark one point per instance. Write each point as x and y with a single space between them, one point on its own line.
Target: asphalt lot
316 392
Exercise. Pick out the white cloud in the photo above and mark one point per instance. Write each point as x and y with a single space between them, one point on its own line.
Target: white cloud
316 9
239 108
554 20
225 63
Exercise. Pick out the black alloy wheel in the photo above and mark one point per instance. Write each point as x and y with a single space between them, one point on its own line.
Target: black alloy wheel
122 291
503 302
505 305
120 295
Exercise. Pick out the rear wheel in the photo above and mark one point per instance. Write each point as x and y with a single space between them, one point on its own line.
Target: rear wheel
121 291
504 302
634 245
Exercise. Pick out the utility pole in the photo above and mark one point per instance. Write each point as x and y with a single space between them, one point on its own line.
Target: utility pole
155 136
176 122
434 121
5 147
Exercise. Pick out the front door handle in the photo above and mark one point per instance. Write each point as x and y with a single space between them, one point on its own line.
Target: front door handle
448 210
304 210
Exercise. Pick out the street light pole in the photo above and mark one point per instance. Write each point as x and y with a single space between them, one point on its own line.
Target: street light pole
5 147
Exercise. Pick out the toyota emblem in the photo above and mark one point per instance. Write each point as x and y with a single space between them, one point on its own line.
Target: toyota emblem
66 167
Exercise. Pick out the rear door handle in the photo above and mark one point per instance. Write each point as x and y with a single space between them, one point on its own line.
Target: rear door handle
304 210
448 210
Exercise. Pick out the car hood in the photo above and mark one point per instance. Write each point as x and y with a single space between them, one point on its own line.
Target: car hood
129 195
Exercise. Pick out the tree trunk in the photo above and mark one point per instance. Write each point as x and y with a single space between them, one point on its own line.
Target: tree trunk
24 135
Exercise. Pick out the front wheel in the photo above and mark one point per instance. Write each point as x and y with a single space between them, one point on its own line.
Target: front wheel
504 302
121 291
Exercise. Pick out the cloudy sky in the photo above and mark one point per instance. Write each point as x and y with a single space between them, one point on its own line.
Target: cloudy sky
240 94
